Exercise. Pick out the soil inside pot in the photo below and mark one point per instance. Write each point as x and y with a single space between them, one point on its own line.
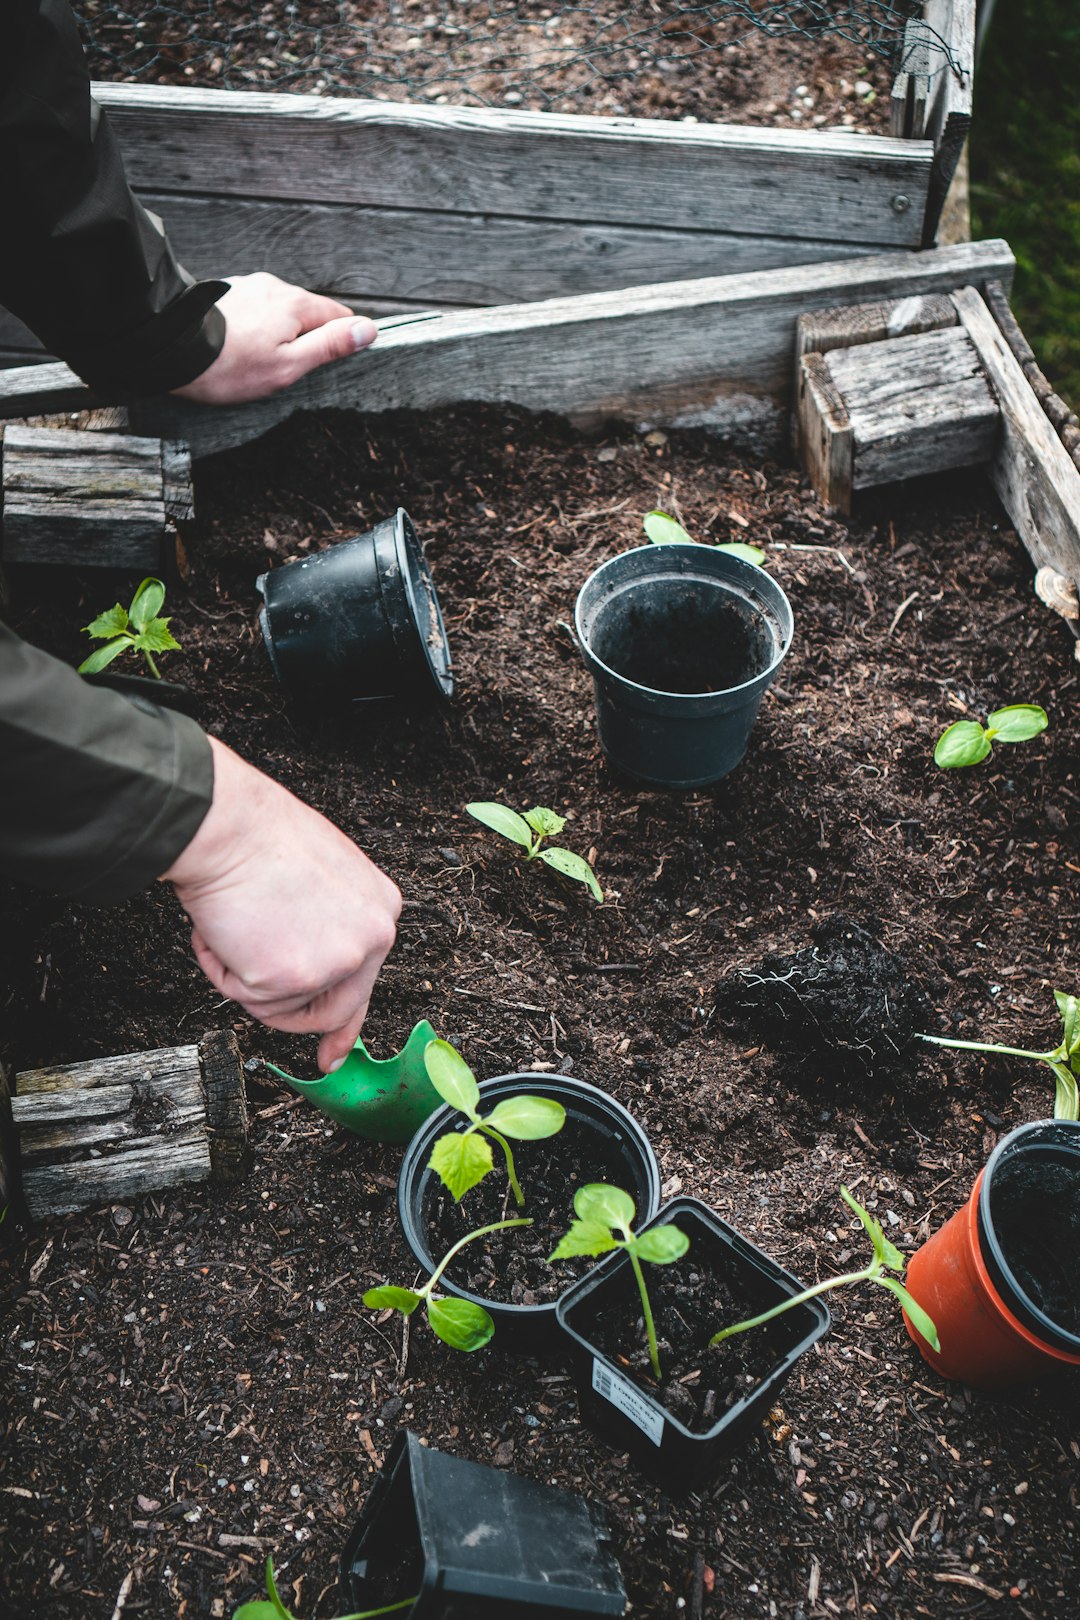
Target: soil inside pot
677 635
690 1300
512 1267
1036 1213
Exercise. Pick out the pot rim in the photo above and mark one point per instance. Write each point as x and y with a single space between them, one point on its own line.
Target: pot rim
597 664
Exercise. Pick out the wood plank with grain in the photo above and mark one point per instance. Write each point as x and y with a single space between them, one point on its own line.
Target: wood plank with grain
950 29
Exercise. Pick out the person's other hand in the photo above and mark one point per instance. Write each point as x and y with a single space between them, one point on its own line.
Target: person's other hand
275 334
289 918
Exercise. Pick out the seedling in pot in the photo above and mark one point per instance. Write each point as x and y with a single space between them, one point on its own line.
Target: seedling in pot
531 831
664 531
461 1159
271 1607
137 627
886 1259
457 1322
605 1220
1063 1059
968 743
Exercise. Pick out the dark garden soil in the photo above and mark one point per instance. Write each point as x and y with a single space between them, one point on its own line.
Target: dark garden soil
192 1381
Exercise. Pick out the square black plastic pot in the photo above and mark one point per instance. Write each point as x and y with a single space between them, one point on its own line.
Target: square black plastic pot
477 1544
624 1413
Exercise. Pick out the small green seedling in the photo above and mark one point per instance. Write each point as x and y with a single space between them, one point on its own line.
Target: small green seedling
664 531
968 743
886 1258
461 1159
531 831
605 1220
137 626
457 1322
1064 1059
271 1607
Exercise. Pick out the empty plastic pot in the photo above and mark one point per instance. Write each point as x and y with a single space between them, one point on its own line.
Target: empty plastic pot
681 641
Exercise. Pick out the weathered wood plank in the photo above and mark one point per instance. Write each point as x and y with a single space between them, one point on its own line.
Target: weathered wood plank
714 353
177 490
60 1107
822 331
44 391
163 1063
142 1167
628 171
948 114
1031 470
823 435
226 1105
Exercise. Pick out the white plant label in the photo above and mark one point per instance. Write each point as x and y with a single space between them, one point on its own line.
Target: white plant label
628 1400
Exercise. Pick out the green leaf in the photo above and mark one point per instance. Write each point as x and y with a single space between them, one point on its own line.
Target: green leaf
887 1253
544 822
104 655
147 603
1069 1008
461 1160
157 637
1066 1093
113 623
664 531
258 1609
1016 723
501 819
600 1202
272 1592
527 1119
452 1078
919 1319
739 548
397 1299
460 1324
964 743
584 1237
662 1244
572 866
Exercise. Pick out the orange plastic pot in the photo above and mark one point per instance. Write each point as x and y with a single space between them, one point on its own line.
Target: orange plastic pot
972 1276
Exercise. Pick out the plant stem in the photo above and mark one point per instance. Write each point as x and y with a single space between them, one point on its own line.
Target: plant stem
868 1275
988 1046
389 1608
515 1185
481 1231
153 667
646 1311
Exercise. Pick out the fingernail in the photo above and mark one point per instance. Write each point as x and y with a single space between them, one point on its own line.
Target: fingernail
363 333
334 1067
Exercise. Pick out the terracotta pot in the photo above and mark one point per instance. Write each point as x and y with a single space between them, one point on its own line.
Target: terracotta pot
974 1278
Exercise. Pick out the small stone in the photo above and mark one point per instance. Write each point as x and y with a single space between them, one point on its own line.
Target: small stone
1021 1489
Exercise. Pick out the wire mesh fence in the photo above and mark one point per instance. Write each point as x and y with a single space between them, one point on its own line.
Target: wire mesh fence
648 57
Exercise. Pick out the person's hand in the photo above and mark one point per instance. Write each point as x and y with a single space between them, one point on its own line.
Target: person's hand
275 334
289 918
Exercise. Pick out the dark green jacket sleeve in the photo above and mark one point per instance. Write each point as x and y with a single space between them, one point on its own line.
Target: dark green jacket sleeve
86 267
100 794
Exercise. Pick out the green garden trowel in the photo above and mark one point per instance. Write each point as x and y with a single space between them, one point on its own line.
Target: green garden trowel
384 1099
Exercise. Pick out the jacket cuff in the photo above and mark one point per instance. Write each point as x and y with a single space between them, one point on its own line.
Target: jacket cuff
171 349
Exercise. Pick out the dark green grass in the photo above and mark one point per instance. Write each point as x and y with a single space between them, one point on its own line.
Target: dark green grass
1025 171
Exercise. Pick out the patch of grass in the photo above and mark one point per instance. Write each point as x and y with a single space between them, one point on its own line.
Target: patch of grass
1025 171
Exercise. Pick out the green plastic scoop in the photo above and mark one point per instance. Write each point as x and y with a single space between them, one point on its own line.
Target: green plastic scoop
383 1099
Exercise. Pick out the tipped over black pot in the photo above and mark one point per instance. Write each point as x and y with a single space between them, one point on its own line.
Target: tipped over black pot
359 620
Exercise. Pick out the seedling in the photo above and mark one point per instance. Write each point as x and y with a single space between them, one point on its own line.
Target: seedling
1063 1059
531 831
605 1220
886 1258
664 531
968 743
457 1322
137 626
461 1159
271 1607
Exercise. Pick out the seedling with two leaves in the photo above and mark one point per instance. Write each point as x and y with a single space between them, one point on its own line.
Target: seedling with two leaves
1063 1059
461 1159
531 831
272 1608
605 1221
968 743
457 1322
886 1267
664 531
137 627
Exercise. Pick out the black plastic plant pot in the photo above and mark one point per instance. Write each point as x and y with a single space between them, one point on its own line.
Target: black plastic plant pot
682 642
623 1411
359 620
145 689
475 1543
599 1134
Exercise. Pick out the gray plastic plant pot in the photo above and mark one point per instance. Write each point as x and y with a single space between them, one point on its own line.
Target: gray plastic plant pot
474 1543
682 642
624 1413
359 620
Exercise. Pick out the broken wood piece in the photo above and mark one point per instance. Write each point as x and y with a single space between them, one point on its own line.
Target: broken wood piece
881 412
115 1128
101 499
